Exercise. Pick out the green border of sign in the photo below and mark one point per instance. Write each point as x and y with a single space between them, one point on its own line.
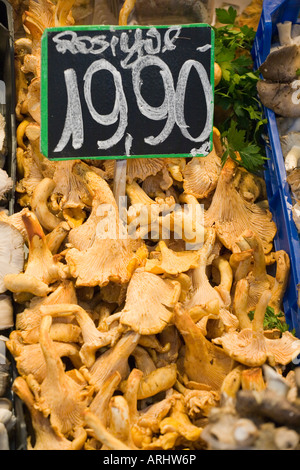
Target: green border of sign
44 86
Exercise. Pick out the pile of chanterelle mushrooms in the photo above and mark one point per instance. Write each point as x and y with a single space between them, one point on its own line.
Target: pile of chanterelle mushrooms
126 343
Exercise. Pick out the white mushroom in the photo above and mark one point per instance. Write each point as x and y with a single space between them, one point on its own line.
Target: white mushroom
296 215
3 146
285 33
6 312
290 145
4 441
11 252
7 416
6 183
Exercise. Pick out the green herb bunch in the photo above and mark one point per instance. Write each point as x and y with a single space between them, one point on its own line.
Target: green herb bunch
242 120
273 320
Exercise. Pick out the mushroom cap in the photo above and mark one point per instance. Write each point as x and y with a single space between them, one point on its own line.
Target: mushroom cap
284 349
11 252
231 214
6 312
288 141
282 64
6 183
246 347
201 175
172 262
149 303
279 98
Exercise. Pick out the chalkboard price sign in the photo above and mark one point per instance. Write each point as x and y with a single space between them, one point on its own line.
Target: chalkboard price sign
127 92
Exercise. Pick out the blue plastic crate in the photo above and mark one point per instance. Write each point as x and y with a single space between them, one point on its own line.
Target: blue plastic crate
279 193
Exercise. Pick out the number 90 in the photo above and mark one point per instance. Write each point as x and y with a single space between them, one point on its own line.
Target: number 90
172 108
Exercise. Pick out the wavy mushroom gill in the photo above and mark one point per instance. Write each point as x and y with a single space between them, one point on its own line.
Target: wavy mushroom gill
231 214
42 269
203 361
149 303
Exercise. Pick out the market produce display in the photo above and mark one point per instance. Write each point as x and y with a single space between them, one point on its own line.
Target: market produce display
278 90
141 342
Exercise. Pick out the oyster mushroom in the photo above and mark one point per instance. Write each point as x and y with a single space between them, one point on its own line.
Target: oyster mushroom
290 145
149 303
282 64
4 439
6 312
6 184
11 252
279 97
231 215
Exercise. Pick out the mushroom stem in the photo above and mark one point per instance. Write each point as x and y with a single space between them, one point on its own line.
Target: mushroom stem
259 314
102 434
39 204
240 303
285 33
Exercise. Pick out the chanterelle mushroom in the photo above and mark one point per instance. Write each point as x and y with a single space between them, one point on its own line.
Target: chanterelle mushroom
202 291
149 303
170 261
42 269
252 348
231 215
103 201
201 175
45 437
61 397
203 361
70 194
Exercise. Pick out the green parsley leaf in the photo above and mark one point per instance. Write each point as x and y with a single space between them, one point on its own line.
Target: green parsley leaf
226 16
234 141
236 94
272 320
